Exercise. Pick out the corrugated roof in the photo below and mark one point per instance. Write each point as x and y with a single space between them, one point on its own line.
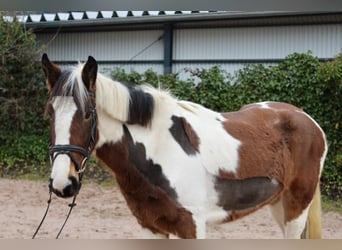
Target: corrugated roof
127 20
30 17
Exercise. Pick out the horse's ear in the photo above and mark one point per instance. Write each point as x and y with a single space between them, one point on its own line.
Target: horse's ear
89 73
52 71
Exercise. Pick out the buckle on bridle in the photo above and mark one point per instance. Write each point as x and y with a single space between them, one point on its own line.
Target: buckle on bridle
57 150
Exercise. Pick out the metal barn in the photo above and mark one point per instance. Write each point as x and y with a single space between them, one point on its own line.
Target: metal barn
169 41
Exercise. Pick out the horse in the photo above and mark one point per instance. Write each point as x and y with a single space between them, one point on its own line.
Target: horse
180 165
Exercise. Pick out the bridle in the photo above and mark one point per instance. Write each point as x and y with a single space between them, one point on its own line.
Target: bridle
56 150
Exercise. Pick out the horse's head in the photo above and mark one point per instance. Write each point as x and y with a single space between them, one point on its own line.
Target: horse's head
71 108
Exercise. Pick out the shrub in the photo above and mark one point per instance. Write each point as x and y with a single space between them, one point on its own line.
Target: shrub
22 98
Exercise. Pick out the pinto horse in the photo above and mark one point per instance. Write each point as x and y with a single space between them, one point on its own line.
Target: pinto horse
180 165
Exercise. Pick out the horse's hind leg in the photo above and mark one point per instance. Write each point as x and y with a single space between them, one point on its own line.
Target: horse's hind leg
295 227
296 203
278 214
291 225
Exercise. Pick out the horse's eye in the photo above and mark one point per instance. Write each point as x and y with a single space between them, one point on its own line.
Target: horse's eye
87 115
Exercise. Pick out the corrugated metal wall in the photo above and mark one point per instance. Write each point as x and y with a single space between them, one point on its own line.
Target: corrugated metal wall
205 45
104 46
257 42
107 68
252 43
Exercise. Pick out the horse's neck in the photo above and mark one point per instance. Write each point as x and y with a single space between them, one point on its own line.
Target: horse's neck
110 130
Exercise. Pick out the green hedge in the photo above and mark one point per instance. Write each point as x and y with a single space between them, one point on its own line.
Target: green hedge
300 79
22 97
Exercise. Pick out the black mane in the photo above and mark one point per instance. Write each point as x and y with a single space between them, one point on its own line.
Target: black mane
141 106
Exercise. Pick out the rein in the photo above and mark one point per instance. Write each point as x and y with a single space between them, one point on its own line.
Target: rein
56 150
71 205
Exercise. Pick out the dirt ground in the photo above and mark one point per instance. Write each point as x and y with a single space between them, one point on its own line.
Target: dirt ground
101 213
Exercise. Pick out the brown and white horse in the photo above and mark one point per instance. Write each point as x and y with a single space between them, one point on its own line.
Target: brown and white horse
180 165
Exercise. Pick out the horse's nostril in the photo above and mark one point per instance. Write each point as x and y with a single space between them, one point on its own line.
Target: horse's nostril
72 188
69 191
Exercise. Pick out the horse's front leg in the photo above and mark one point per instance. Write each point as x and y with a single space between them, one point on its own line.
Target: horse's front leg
200 222
148 234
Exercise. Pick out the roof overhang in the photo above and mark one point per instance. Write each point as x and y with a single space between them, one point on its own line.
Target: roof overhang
193 20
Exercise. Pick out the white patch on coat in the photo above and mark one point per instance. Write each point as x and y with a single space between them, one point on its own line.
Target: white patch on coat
274 182
277 211
214 213
110 130
264 105
65 108
218 149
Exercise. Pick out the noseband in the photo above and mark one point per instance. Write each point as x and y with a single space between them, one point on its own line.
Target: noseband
56 150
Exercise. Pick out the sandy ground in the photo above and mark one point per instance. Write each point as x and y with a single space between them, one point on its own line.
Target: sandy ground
101 213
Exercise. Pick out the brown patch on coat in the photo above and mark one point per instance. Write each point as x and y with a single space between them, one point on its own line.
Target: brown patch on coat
185 135
282 143
80 131
192 135
149 203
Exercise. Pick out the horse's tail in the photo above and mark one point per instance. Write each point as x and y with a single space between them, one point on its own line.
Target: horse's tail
313 228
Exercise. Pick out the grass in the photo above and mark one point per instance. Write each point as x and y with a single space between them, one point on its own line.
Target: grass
28 177
329 205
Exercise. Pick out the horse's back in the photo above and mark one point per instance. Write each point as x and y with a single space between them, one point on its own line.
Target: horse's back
276 138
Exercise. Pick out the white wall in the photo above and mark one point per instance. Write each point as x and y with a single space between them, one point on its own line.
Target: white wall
104 46
257 42
245 43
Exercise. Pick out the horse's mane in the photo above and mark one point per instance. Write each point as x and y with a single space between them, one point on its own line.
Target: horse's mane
125 102
121 101
112 97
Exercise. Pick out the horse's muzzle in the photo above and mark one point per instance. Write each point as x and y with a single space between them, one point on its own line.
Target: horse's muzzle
68 191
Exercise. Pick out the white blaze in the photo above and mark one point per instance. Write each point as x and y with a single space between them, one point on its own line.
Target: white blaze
65 108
